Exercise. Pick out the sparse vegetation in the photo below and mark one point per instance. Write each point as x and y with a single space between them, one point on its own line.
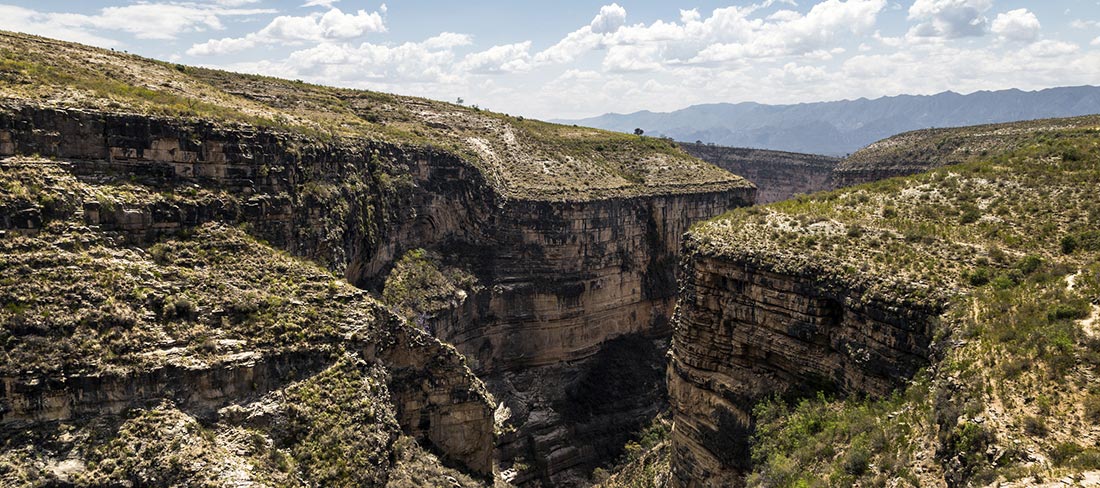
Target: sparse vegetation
1004 245
520 158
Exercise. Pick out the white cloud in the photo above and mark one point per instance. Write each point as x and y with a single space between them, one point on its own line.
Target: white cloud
30 21
1050 49
632 58
319 3
158 21
1095 42
507 58
1017 25
790 33
949 18
1084 24
315 27
235 3
610 19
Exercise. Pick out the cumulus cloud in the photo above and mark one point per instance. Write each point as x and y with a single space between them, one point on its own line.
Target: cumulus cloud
30 21
158 21
316 27
1017 25
790 33
428 61
949 18
610 19
1050 49
507 58
728 34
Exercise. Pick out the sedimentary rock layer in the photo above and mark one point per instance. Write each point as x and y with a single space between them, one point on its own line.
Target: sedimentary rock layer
744 332
778 175
557 280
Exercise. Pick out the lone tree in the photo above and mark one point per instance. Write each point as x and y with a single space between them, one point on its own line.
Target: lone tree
638 132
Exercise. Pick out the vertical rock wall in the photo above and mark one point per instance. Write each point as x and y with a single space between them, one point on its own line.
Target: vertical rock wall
744 332
571 323
778 175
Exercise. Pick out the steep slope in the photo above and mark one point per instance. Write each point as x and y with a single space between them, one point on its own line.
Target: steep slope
777 175
566 238
204 358
842 127
933 330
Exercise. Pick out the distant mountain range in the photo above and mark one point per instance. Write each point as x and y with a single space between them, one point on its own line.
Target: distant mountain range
839 128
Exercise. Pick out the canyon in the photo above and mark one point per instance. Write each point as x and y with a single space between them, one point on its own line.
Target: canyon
777 175
224 279
875 299
572 276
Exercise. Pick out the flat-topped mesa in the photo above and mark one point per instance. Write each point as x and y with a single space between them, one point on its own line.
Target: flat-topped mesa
570 234
922 150
778 175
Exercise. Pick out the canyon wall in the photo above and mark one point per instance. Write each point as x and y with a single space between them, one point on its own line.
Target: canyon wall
569 322
778 175
348 205
571 290
746 331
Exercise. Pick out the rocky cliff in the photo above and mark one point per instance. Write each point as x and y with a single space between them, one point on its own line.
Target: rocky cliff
923 331
143 363
777 175
568 237
747 331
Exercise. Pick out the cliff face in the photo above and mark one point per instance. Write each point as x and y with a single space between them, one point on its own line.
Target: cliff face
573 291
568 234
778 175
124 362
745 333
348 205
901 331
557 280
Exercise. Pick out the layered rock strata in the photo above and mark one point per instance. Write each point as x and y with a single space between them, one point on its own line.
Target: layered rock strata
746 331
558 281
778 175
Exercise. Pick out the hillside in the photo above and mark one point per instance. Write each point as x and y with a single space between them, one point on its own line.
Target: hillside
523 159
922 150
205 358
842 127
220 279
931 330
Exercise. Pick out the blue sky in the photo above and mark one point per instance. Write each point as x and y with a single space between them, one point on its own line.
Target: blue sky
578 58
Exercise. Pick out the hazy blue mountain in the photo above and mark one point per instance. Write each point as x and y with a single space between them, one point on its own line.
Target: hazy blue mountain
838 128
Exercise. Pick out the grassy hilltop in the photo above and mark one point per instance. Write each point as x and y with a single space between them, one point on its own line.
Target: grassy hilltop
521 158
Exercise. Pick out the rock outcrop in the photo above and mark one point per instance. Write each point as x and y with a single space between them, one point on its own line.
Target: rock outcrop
745 332
898 330
570 234
558 280
778 175
222 334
